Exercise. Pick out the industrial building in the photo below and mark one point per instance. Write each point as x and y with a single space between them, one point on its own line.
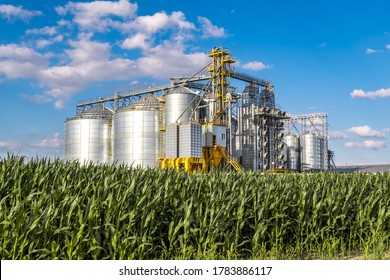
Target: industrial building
199 122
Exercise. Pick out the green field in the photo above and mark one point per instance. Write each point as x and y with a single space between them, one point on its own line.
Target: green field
56 210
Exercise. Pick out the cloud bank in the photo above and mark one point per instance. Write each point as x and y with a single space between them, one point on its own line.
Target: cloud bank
368 144
366 131
361 94
65 58
255 65
10 13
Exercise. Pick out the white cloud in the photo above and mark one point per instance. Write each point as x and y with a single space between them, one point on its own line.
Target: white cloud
255 65
169 59
162 38
210 30
337 135
365 131
90 62
20 62
33 145
37 98
84 51
138 40
11 12
368 144
7 145
66 23
370 51
47 30
95 15
13 51
151 24
42 43
388 47
144 30
358 93
54 142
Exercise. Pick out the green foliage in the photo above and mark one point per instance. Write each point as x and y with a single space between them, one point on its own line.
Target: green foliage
63 210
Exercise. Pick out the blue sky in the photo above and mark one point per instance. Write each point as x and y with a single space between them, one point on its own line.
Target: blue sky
322 56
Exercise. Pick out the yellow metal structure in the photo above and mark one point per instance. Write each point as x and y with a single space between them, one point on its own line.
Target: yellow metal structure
189 164
221 72
212 158
213 155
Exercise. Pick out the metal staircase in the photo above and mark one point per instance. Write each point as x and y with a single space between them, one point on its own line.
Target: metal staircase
231 160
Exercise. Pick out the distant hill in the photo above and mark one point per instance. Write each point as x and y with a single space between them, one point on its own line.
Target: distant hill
370 168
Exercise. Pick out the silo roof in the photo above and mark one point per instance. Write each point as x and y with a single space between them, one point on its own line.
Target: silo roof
96 112
182 89
147 102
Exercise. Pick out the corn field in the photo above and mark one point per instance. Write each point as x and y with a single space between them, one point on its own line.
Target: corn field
52 209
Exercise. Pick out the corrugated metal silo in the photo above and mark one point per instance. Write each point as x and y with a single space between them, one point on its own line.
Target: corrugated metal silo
180 105
293 152
136 135
207 107
311 151
88 136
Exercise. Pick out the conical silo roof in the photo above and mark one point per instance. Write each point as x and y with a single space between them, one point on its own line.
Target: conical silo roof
145 103
182 89
96 112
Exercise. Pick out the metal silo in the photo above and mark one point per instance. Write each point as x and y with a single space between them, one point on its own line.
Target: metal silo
293 152
207 107
136 134
180 104
311 151
88 136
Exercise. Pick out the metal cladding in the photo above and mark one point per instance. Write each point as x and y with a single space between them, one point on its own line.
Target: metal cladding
311 151
183 141
233 135
293 152
207 107
190 136
180 104
88 136
136 135
267 98
213 134
238 136
171 142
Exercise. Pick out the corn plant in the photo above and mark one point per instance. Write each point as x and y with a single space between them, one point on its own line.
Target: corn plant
51 209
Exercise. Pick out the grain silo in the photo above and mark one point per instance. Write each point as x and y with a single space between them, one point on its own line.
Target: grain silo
88 136
293 152
136 134
180 105
311 151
